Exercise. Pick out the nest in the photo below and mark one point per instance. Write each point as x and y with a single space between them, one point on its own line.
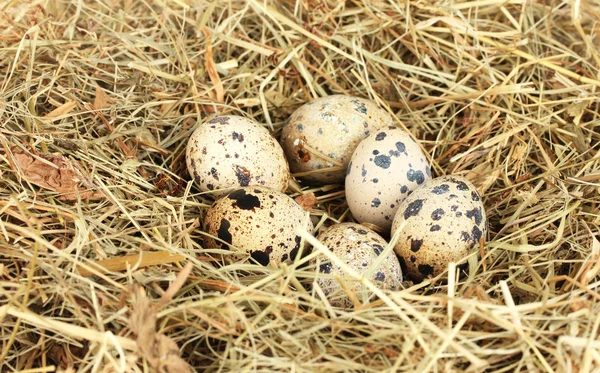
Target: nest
102 267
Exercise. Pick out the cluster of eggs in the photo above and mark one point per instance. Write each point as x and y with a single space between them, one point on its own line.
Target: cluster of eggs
333 140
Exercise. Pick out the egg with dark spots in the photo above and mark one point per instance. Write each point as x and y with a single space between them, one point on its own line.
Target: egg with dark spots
444 220
398 167
358 247
258 158
320 136
244 220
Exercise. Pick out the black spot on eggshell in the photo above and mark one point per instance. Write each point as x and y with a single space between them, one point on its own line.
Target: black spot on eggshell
219 120
210 186
362 231
378 249
476 214
284 257
437 214
237 136
402 264
440 189
271 215
476 234
296 248
415 176
403 189
383 161
261 257
375 202
401 147
475 196
413 208
464 236
325 268
380 136
214 173
364 172
375 180
425 269
243 175
299 127
359 106
243 200
415 245
375 152
413 258
380 276
460 185
434 228
223 233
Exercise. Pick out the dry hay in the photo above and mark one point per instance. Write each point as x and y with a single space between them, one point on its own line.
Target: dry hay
97 101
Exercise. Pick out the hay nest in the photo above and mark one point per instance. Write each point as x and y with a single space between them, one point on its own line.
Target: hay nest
101 263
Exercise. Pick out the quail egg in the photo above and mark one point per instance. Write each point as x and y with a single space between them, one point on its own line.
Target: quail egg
358 247
232 151
320 136
444 219
385 168
256 222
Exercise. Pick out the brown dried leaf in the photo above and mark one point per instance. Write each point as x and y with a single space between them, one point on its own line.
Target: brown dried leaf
102 100
211 69
307 201
62 110
161 352
57 174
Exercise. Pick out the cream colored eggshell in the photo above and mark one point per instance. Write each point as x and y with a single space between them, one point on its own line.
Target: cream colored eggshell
445 218
358 247
385 167
231 151
333 126
256 222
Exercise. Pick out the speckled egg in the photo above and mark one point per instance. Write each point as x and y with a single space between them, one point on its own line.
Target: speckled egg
320 136
358 247
385 168
256 223
445 219
231 151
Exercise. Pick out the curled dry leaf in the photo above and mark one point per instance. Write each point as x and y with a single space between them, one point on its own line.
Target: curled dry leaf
161 352
54 172
307 201
101 101
63 109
